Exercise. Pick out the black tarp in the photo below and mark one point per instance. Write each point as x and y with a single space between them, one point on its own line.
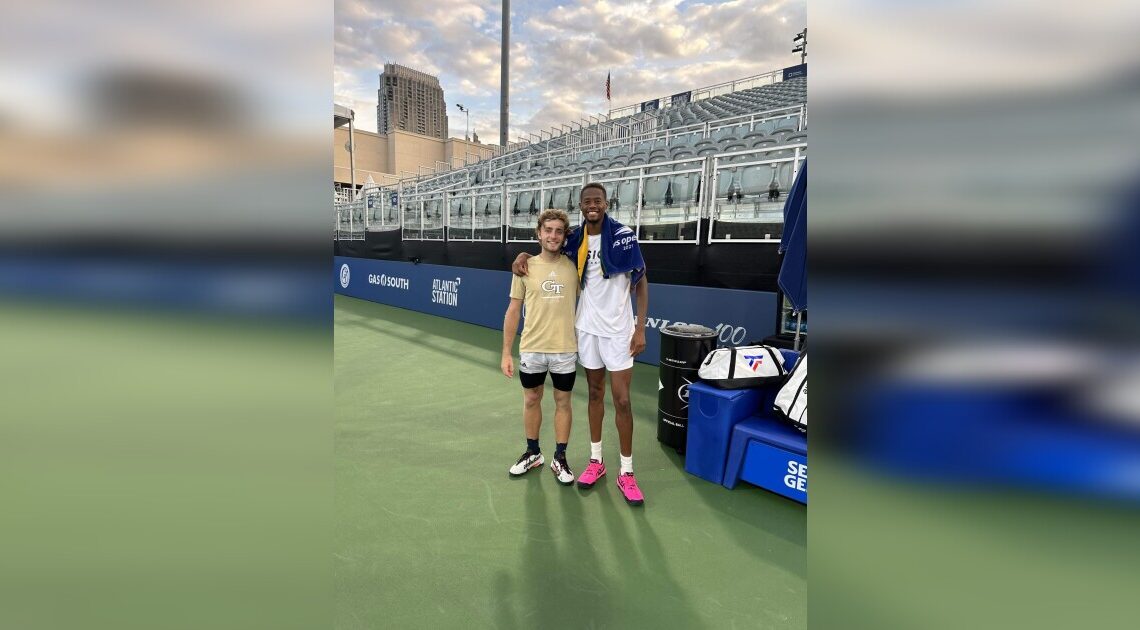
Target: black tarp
750 266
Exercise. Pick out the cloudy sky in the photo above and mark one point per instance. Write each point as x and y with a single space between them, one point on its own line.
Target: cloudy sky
560 52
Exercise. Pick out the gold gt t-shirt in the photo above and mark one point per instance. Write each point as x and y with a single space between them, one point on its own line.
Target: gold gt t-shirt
549 292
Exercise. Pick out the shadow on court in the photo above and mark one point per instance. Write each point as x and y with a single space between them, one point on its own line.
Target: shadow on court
432 532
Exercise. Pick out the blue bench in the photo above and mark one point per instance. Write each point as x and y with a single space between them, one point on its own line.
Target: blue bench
770 454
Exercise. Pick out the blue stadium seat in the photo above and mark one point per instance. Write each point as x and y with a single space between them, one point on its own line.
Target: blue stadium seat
559 197
657 182
754 180
788 123
780 135
627 196
683 188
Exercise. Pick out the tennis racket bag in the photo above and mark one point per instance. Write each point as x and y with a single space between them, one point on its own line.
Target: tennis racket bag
742 367
791 400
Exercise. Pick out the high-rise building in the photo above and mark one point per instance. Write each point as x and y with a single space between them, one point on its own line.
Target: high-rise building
410 100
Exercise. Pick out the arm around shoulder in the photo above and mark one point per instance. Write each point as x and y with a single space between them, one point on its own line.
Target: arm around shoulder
519 266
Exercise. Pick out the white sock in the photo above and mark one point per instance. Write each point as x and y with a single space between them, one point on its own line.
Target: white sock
596 451
626 464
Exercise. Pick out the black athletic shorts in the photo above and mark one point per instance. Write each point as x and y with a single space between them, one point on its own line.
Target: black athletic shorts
561 382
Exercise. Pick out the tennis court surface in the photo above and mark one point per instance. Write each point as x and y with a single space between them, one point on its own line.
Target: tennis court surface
431 532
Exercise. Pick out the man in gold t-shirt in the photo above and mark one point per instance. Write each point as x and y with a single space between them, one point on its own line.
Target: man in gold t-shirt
549 344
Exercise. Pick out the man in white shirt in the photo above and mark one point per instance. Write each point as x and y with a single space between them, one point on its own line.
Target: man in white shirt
610 267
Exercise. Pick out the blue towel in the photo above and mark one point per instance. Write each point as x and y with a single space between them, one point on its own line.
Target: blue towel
620 250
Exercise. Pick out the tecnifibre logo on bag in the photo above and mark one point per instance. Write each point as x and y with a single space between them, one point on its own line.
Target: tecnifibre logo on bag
345 276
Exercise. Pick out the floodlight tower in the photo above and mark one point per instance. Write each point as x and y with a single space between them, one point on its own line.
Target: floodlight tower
467 124
801 40
505 77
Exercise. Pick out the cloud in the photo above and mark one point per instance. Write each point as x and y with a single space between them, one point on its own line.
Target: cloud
560 54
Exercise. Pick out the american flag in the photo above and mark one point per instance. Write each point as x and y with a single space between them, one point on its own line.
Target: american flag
608 94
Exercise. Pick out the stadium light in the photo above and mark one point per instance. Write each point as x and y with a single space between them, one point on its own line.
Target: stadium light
801 39
466 125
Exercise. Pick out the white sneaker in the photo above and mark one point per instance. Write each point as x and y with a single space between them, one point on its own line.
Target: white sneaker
562 471
526 462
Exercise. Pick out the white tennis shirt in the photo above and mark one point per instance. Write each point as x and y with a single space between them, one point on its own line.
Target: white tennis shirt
605 308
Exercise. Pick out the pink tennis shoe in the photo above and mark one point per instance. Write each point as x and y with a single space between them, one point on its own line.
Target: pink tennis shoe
594 471
629 489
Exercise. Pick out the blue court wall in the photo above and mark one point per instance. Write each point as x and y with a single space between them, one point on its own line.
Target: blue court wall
480 296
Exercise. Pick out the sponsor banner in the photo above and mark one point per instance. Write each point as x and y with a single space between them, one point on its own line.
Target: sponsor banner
480 296
792 72
737 316
242 288
777 470
649 106
476 296
680 99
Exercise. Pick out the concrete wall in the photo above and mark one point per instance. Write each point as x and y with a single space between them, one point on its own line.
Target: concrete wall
457 150
385 156
371 156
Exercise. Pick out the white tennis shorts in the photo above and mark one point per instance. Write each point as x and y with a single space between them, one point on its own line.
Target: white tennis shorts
596 352
542 362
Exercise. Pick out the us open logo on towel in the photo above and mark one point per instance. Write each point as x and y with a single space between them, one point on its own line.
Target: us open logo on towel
624 242
345 276
754 361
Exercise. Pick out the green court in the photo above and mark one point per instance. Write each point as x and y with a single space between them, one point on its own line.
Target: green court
432 533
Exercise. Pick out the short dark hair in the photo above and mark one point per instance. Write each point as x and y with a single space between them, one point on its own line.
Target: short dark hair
593 185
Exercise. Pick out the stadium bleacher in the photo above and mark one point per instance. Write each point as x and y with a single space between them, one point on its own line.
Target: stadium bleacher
747 145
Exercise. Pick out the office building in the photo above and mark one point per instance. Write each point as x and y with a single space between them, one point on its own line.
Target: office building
410 100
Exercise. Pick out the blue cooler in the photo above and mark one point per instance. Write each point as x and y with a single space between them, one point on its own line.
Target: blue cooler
712 414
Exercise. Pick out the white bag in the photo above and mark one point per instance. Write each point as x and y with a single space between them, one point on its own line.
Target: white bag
741 367
791 400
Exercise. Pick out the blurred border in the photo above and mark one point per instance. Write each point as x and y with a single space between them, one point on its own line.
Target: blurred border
165 314
975 445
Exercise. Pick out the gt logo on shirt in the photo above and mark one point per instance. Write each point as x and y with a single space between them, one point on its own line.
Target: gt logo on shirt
551 286
592 255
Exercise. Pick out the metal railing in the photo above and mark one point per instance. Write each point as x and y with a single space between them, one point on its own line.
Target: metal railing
720 89
740 192
616 130
749 190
